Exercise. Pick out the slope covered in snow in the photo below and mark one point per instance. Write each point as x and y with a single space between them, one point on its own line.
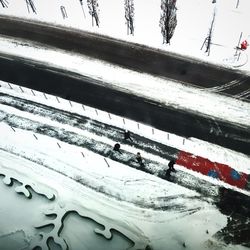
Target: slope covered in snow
141 209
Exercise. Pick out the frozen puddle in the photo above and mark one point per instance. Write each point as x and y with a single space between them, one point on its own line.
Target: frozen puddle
17 217
78 228
67 228
46 219
75 230
15 240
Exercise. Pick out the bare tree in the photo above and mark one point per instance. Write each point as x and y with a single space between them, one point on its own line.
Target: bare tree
31 5
208 39
4 3
129 15
81 2
168 20
94 11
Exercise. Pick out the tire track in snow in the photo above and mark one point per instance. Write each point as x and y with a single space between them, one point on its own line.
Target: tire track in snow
243 95
225 86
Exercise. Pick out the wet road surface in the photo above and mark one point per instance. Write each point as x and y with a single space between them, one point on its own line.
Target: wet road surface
131 55
137 57
90 92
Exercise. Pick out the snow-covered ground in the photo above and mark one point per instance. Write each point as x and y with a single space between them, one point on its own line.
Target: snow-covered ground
126 213
213 152
143 208
194 18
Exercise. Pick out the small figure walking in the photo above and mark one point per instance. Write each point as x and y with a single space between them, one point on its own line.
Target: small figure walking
171 165
127 135
139 159
170 169
243 45
117 148
168 173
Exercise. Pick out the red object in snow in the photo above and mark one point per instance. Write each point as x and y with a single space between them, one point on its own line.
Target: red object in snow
216 170
244 45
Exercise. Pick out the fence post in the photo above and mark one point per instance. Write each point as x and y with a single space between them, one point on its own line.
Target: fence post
21 89
106 162
10 86
12 128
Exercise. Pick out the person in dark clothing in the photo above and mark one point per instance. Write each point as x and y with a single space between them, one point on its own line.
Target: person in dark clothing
168 173
127 135
170 169
117 148
139 158
171 166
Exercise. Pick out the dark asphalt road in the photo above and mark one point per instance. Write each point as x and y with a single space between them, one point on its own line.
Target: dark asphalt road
89 92
134 56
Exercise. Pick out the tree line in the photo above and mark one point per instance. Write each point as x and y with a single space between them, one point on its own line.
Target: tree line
167 22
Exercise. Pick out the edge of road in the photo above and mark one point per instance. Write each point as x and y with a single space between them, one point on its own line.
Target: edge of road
218 171
126 54
94 92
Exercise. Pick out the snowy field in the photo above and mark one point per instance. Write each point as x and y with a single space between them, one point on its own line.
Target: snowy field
194 18
77 199
141 209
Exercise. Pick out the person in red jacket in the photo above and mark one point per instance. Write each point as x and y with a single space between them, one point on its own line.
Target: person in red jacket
244 45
